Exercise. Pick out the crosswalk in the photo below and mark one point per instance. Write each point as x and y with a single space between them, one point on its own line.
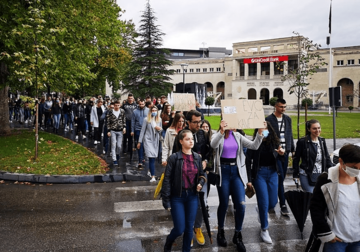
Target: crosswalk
145 224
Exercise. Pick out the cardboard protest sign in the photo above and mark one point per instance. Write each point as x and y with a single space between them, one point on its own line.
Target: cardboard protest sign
184 102
243 114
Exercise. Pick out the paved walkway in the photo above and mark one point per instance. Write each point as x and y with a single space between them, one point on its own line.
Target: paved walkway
127 169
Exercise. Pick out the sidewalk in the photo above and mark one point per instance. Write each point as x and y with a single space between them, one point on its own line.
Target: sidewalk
126 170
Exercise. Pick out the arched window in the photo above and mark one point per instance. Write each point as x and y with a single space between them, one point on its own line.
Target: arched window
278 92
264 96
251 94
347 89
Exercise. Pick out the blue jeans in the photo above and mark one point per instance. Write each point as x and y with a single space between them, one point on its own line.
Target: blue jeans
69 120
141 150
266 187
282 163
152 166
116 141
342 247
11 111
56 120
183 212
305 184
231 184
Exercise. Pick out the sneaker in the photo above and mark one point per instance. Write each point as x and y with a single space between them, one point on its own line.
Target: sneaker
264 234
41 128
115 162
66 130
84 137
284 211
10 121
140 167
149 174
95 142
258 215
199 236
76 137
271 211
104 152
153 179
26 121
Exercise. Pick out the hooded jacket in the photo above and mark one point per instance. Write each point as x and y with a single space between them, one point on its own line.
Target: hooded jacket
138 118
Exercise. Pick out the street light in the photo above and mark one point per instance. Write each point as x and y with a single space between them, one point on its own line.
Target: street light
184 66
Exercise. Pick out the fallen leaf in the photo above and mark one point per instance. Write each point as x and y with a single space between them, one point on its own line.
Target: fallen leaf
16 182
123 182
48 184
2 181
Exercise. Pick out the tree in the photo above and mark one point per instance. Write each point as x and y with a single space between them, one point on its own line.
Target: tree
309 61
306 101
148 73
209 101
63 45
350 108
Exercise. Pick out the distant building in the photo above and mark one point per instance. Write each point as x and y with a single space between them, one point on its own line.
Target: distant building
250 71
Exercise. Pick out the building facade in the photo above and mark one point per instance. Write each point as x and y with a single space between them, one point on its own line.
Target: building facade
255 70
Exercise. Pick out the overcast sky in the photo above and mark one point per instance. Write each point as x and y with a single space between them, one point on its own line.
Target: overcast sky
189 23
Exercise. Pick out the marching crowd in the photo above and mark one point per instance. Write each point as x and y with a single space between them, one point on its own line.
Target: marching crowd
194 156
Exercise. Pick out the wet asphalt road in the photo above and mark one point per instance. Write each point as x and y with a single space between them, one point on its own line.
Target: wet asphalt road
118 217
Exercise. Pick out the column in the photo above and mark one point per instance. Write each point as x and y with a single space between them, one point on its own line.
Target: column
285 68
246 69
258 71
235 70
271 70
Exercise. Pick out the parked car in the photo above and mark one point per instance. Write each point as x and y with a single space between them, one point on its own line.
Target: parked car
335 155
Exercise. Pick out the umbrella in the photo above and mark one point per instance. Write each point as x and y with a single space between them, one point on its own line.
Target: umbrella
159 186
205 214
299 203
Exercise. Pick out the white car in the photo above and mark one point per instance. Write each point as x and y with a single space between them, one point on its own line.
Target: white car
335 155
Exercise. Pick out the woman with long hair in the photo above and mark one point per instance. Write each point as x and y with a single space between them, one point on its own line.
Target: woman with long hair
230 165
177 125
314 156
166 118
150 137
263 175
184 178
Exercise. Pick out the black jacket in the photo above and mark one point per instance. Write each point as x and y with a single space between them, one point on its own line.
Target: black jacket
253 158
172 184
289 140
201 144
306 151
79 110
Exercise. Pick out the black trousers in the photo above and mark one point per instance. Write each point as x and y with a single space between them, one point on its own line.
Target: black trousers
80 125
98 131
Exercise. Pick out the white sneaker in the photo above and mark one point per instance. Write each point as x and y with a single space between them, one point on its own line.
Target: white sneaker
104 152
264 234
76 137
149 174
65 129
26 121
95 142
153 179
84 137
10 121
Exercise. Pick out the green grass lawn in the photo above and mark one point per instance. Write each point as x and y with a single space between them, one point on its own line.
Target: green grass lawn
347 124
56 155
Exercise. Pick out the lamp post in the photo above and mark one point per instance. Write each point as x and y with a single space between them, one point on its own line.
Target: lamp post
184 66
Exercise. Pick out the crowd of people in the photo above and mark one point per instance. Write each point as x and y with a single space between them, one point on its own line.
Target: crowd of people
194 156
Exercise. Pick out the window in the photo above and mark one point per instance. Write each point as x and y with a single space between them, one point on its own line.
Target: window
185 70
351 62
218 69
198 70
349 98
191 70
178 70
211 69
177 54
340 63
204 70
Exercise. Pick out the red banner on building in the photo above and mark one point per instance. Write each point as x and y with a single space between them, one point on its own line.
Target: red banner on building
266 59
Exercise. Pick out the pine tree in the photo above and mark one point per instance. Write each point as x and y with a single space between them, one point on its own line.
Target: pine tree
148 73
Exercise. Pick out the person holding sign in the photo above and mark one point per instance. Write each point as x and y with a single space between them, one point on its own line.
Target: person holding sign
263 173
230 165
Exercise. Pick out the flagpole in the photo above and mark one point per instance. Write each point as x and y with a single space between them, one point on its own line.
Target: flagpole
330 56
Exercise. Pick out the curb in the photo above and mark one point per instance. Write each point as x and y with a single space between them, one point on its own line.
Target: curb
71 179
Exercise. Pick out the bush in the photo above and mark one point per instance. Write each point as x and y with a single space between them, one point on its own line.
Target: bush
307 101
350 108
209 101
273 100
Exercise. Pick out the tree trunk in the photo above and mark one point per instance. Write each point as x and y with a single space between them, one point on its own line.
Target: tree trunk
4 105
298 116
306 108
4 112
